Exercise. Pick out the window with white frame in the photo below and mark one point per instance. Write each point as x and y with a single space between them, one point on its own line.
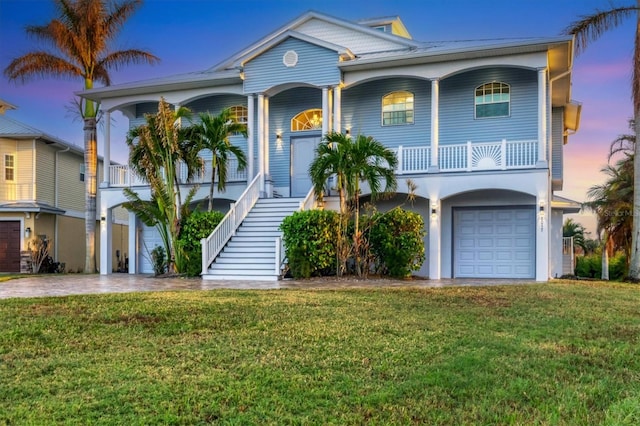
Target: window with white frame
492 100
310 119
239 113
9 168
397 108
82 172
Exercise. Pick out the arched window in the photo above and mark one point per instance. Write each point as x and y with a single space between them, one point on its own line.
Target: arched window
239 113
493 100
310 119
397 108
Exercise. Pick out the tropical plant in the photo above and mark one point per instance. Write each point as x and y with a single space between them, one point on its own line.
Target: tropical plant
570 228
213 132
196 226
352 162
81 35
162 152
589 29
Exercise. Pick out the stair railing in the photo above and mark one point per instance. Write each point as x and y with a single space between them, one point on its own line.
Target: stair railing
309 202
214 243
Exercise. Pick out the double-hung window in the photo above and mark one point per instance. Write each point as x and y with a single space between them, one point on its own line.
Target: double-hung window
9 168
397 108
492 100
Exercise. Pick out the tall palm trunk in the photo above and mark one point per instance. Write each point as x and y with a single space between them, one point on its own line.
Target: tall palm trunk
91 166
634 261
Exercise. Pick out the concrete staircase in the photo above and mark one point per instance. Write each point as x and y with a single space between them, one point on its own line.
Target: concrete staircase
250 254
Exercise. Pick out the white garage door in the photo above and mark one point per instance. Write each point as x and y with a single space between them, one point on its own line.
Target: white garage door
149 239
494 243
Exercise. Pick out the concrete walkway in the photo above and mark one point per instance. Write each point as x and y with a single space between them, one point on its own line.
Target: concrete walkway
64 285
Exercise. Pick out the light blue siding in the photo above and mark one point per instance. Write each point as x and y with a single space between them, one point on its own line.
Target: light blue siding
457 119
316 66
282 108
557 141
215 104
140 111
362 111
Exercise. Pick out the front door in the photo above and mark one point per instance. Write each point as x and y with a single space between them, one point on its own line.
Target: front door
303 151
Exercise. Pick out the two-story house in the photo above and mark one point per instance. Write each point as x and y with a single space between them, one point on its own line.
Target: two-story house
42 195
478 126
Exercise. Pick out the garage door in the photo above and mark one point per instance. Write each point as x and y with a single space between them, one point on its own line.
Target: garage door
10 246
149 239
494 243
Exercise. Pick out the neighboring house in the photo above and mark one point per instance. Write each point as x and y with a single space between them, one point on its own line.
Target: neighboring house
479 126
42 196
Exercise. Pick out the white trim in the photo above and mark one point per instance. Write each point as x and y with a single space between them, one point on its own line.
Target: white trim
435 123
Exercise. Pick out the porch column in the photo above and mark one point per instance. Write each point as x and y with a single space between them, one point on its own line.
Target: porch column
250 138
435 238
133 243
337 109
543 213
542 118
435 126
326 119
261 141
106 151
106 262
268 188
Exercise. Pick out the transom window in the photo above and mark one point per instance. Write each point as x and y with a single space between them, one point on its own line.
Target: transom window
239 113
9 168
310 119
492 100
397 108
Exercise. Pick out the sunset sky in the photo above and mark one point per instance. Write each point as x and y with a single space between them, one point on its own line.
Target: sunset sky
193 35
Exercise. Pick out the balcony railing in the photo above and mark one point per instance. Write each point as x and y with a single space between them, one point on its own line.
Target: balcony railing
14 191
470 156
124 176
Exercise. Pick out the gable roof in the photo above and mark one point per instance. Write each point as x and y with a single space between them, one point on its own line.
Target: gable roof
305 24
12 129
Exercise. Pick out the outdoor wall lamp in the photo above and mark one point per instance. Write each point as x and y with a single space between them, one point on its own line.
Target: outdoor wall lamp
27 233
103 219
347 131
434 211
541 214
278 137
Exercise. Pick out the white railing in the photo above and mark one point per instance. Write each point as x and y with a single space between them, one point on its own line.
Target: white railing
568 256
122 176
213 244
14 191
469 156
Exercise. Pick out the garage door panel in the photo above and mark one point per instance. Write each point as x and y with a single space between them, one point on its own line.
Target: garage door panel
494 242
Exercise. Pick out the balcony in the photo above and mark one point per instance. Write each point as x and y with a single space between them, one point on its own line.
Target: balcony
122 176
469 157
14 191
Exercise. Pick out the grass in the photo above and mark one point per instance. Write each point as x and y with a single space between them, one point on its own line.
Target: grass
557 353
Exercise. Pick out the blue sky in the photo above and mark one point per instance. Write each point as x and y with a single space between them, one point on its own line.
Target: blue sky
191 35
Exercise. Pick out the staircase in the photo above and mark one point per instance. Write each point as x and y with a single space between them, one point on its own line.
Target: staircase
250 254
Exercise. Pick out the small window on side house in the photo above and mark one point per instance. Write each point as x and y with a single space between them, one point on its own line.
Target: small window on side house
239 113
9 168
82 170
492 100
397 108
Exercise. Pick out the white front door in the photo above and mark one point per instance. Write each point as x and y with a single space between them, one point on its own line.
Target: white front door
149 239
494 242
303 151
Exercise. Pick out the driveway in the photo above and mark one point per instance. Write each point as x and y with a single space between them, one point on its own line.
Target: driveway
64 285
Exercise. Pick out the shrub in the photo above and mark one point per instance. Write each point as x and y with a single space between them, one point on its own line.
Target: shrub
196 226
591 266
159 260
396 239
310 242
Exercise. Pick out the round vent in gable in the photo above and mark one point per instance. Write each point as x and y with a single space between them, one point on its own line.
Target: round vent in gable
290 59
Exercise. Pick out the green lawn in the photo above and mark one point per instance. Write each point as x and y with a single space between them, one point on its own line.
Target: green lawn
559 353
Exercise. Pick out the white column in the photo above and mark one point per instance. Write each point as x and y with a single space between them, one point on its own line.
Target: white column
435 124
261 141
435 240
543 212
106 151
106 261
250 137
542 118
337 109
325 111
133 243
267 175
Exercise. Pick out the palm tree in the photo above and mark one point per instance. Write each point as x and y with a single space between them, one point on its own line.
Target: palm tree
586 30
81 36
570 228
213 134
157 150
353 161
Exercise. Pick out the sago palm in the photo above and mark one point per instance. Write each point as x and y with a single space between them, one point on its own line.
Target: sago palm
589 29
81 36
